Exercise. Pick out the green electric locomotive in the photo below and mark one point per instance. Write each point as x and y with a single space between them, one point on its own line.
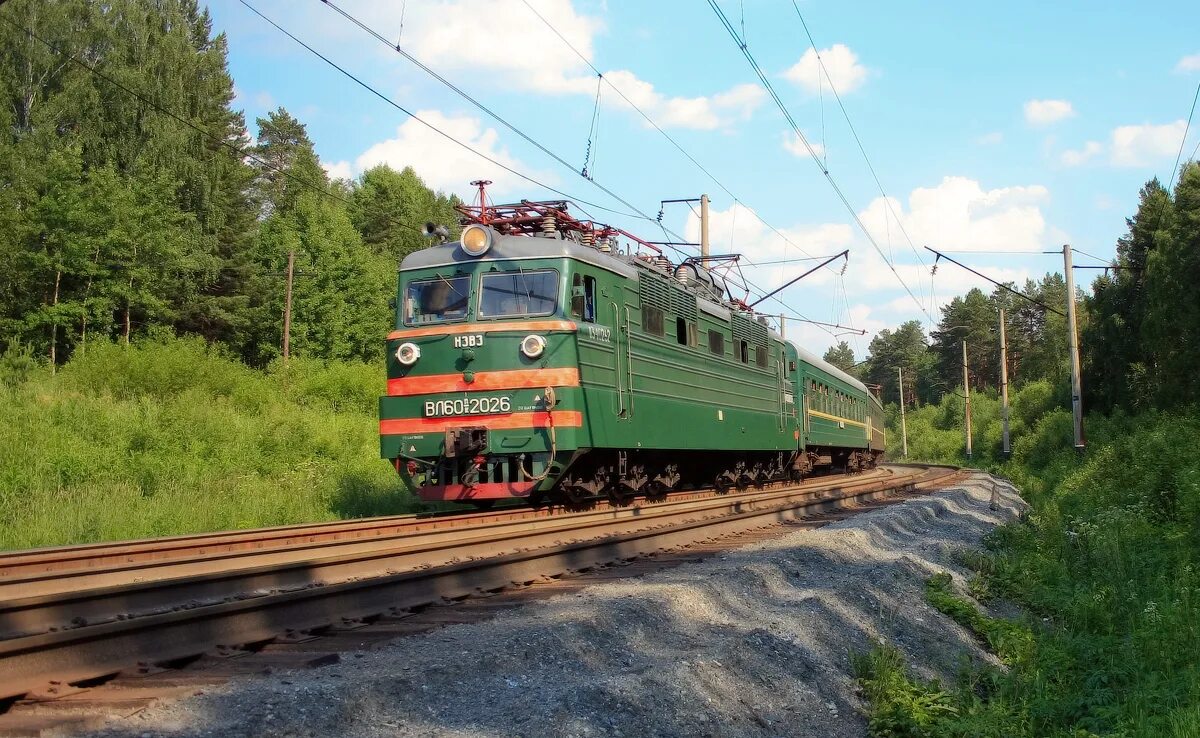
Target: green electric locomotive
535 358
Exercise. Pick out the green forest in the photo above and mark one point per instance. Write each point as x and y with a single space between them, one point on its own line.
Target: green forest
148 229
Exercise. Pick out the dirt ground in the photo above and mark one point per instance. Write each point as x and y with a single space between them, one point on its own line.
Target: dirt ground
754 642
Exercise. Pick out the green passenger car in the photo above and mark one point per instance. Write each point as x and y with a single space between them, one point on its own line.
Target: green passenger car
532 358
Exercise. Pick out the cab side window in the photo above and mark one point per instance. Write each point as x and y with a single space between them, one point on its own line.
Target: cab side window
583 297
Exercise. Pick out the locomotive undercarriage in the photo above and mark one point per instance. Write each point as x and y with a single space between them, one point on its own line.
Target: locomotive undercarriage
620 476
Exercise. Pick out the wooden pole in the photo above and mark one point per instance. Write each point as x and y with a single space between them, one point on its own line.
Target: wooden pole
1004 388
967 395
287 307
1073 347
903 424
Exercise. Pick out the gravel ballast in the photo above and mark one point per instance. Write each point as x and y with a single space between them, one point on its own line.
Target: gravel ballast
752 642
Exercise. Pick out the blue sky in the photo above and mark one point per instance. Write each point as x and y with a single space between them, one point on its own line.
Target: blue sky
1018 126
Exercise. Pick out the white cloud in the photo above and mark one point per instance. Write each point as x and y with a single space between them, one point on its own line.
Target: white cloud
444 165
1141 145
1073 158
704 113
503 41
990 139
338 169
1045 112
842 67
956 214
792 143
1188 64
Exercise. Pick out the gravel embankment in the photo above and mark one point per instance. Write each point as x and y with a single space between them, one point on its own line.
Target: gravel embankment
754 642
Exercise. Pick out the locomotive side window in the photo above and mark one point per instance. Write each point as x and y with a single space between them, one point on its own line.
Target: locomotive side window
652 320
685 332
760 356
716 342
583 297
743 351
437 300
519 293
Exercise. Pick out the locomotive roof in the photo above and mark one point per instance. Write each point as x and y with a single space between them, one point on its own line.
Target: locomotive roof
517 247
811 358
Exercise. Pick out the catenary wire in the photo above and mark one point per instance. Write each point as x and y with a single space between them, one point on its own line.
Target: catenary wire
483 108
862 150
653 124
766 82
1183 141
349 75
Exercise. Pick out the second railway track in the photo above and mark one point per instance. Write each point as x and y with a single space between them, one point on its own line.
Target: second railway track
67 624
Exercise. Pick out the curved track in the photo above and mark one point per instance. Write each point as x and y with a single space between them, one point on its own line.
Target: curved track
73 614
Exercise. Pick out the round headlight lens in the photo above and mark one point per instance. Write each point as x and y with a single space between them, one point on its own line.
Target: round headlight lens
476 240
533 346
408 353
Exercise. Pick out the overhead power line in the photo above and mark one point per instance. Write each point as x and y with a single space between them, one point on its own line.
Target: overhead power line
243 152
483 108
671 139
349 75
1183 141
766 83
861 149
1001 285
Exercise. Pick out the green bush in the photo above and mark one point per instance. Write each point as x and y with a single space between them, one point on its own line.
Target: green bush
174 437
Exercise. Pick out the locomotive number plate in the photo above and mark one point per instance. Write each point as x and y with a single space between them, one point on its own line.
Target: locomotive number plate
471 340
467 406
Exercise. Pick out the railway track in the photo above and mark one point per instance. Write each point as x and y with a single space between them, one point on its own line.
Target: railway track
78 616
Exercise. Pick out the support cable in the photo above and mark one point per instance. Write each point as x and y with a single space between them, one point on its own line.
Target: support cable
766 83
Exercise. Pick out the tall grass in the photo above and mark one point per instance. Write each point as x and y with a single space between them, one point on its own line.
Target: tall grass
1107 568
173 437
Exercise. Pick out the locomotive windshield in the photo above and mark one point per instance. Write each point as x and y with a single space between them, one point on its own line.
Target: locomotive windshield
436 300
519 293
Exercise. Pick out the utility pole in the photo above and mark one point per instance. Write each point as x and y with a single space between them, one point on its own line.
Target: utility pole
704 227
1073 346
1004 386
783 326
287 306
903 425
967 394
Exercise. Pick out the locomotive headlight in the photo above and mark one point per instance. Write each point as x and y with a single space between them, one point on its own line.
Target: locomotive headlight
408 353
476 240
533 346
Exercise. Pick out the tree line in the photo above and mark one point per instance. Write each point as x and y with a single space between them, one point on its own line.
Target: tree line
1139 325
133 199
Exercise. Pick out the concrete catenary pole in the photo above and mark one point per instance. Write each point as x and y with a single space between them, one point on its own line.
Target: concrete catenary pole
1073 346
1004 388
287 306
903 424
704 227
967 395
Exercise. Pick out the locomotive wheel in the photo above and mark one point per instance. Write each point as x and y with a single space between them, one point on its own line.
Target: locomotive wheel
620 496
721 483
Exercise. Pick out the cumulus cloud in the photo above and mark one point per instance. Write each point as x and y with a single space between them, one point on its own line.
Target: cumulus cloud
444 165
1045 112
793 144
1188 64
504 41
338 169
1073 158
841 64
1142 145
